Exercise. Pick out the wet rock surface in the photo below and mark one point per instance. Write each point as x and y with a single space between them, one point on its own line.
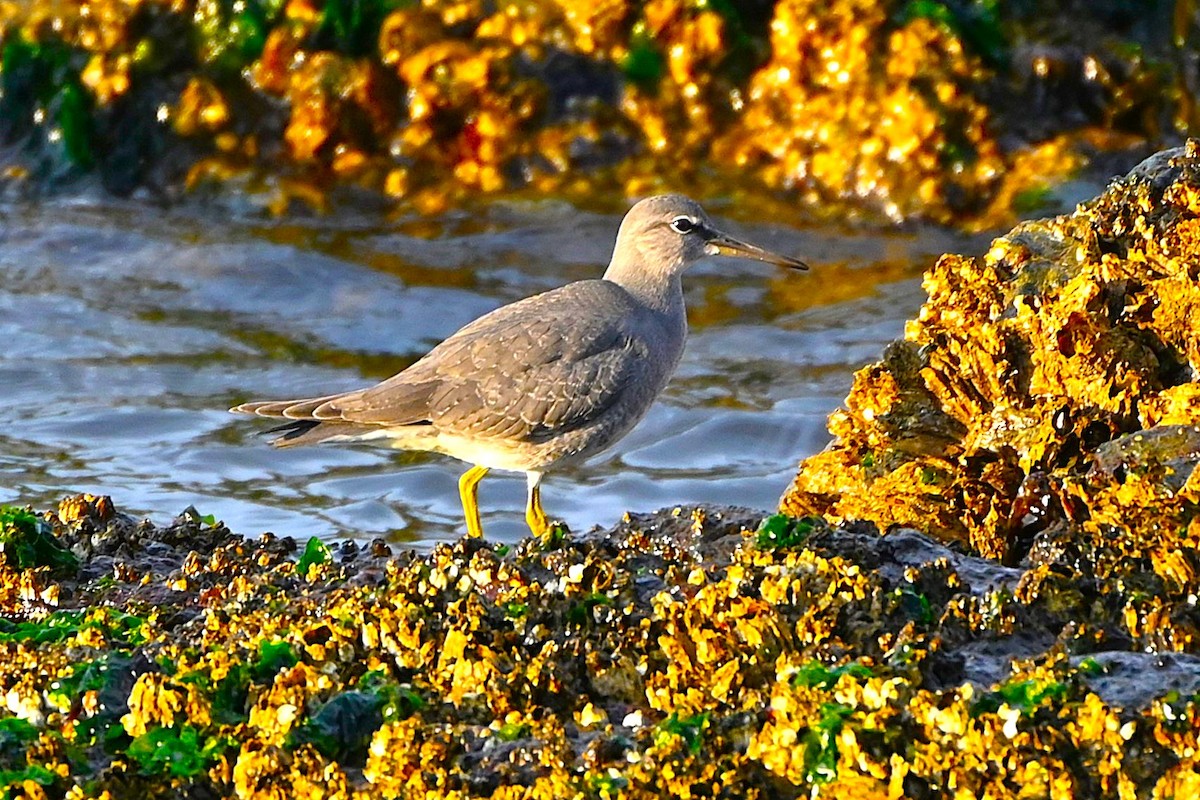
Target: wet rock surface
1132 680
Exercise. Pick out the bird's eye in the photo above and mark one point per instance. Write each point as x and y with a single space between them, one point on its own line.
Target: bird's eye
683 225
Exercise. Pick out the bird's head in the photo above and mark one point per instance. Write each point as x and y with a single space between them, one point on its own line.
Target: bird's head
665 235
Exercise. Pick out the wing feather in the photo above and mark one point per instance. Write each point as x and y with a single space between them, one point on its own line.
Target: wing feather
530 370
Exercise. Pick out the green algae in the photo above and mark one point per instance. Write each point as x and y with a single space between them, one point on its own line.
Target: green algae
689 729
26 542
511 732
817 675
229 36
979 23
43 103
644 64
54 628
341 729
12 779
779 531
581 613
913 605
175 752
117 628
608 787
819 741
16 735
273 657
352 26
315 554
397 701
1025 695
192 513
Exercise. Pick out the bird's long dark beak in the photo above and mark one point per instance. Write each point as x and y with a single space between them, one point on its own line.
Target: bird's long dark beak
725 245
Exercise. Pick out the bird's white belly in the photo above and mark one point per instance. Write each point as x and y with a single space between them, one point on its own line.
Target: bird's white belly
490 453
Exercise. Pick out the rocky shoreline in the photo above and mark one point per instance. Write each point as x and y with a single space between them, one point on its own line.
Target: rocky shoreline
695 651
986 586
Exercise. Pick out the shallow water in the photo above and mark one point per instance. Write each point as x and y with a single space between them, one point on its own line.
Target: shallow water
126 331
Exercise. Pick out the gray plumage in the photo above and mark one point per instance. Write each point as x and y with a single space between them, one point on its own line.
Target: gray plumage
545 381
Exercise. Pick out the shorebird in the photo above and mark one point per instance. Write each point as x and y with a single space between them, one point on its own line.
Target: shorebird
543 382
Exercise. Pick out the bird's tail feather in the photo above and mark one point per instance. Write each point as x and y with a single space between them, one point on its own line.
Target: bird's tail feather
290 409
311 431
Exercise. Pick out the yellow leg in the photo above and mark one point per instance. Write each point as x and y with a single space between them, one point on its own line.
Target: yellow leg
535 515
468 484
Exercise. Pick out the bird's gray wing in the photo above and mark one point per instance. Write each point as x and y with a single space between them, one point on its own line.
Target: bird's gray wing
528 371
409 403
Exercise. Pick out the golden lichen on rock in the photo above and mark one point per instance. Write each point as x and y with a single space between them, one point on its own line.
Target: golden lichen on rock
852 104
677 655
900 109
1052 401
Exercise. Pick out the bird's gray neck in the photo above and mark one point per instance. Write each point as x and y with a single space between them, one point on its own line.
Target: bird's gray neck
661 292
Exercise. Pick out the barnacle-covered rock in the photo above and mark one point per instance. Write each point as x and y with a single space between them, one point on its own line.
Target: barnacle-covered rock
1043 405
852 105
904 109
684 653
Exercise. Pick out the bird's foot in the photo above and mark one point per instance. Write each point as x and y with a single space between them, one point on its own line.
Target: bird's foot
549 533
553 535
537 521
